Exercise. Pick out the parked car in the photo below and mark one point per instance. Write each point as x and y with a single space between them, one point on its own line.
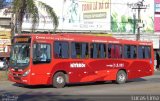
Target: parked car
3 65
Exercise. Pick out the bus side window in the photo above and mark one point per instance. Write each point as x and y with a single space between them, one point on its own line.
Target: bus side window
130 51
133 51
118 51
109 50
144 52
95 51
79 50
65 50
57 50
114 51
84 50
61 49
91 50
98 50
42 53
102 51
147 52
73 50
141 52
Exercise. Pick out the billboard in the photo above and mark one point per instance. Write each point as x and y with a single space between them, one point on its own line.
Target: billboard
157 16
95 15
123 16
75 15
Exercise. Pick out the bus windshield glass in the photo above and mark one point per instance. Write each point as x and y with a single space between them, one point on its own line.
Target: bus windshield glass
20 55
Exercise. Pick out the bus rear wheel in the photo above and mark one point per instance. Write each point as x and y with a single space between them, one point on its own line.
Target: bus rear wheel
59 80
121 77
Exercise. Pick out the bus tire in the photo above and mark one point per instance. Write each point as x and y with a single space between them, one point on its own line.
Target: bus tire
59 80
121 77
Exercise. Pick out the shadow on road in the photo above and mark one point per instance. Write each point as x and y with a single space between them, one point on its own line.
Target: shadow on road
38 96
31 96
136 80
68 85
78 84
32 87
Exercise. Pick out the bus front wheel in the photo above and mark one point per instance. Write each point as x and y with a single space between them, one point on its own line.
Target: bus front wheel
59 80
121 77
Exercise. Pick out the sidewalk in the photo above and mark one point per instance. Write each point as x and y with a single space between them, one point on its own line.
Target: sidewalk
157 72
3 75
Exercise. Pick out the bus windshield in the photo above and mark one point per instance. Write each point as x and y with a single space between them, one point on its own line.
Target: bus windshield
20 55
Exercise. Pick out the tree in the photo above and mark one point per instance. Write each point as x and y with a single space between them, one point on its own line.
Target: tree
28 8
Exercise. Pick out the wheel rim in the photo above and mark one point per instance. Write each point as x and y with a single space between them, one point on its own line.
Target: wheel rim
60 79
121 77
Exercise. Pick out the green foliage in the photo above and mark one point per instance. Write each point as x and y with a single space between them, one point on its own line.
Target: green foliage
123 23
28 8
114 24
119 26
132 24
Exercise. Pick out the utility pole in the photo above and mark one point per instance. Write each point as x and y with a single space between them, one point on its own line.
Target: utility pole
134 23
138 6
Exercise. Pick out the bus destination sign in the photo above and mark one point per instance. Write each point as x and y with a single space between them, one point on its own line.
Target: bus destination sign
22 40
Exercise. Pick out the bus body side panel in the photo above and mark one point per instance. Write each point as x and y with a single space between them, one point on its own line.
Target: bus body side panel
40 74
75 69
86 71
95 70
139 68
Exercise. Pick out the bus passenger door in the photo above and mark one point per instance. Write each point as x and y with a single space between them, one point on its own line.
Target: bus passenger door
41 63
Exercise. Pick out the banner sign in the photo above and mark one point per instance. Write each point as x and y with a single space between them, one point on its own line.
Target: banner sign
96 15
157 16
75 15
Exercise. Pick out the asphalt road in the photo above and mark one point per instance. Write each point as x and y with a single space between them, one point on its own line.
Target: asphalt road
144 89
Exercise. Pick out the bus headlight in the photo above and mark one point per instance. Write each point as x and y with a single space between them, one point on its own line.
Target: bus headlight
26 73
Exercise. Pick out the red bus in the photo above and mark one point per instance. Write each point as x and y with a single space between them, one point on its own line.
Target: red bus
59 59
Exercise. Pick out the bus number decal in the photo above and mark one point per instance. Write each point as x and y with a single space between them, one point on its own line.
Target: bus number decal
116 65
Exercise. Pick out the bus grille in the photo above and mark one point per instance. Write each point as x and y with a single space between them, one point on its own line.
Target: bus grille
17 78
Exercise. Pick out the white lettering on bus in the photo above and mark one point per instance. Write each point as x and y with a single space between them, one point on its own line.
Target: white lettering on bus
99 41
77 65
116 65
40 37
52 38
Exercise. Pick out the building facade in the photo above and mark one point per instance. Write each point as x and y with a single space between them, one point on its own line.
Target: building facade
116 17
5 31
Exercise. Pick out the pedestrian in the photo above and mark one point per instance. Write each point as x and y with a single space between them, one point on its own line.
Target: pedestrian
158 61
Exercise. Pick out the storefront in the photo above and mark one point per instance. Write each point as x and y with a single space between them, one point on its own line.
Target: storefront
5 43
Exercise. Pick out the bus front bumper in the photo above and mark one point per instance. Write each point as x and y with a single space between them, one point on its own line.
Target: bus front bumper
18 78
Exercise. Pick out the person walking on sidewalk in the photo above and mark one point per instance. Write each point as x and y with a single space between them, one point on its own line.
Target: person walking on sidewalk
158 60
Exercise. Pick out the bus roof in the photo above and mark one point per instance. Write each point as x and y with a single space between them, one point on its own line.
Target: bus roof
83 38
